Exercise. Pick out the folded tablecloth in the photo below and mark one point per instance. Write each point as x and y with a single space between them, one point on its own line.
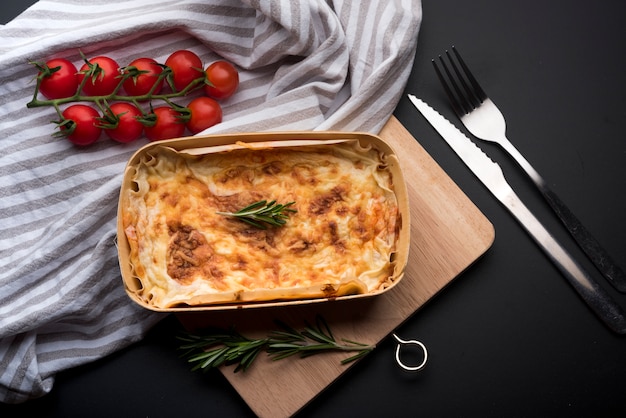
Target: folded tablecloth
304 65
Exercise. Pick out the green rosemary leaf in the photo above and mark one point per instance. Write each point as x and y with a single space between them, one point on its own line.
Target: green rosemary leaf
247 360
317 336
284 354
322 323
355 343
253 223
287 329
252 207
357 356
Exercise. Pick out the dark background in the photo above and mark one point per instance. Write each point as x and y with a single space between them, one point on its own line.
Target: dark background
509 337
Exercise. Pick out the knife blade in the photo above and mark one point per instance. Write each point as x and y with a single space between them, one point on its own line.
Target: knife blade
491 175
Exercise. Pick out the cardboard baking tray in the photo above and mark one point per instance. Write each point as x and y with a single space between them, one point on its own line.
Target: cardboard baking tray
212 144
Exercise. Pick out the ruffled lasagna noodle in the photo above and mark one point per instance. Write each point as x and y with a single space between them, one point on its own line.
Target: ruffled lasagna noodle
340 241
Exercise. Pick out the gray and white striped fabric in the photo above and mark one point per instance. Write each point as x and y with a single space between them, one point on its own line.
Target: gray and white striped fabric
305 65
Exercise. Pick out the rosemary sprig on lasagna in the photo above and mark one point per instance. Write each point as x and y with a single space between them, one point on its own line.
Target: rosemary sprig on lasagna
230 347
262 213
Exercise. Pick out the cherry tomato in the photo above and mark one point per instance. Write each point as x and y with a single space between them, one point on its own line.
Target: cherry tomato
222 80
204 113
148 71
59 79
102 76
80 125
168 125
186 66
124 127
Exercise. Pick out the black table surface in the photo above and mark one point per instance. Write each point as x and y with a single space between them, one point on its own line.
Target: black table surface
509 337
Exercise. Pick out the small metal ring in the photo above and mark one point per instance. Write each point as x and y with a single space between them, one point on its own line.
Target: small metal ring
402 342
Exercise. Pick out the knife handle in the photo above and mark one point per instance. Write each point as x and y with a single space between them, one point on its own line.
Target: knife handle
587 242
596 298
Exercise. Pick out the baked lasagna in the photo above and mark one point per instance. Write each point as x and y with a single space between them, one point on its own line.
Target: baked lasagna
339 240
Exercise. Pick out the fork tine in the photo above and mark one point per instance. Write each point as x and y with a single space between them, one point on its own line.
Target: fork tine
459 103
472 99
480 93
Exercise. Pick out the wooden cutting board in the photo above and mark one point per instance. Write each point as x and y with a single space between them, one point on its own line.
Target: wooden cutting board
448 233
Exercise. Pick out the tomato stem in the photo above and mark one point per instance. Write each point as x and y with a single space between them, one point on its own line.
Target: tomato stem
115 96
58 110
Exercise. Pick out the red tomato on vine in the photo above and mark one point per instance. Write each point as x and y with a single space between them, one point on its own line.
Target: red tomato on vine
222 80
121 122
145 75
80 124
204 112
102 76
186 67
58 78
167 124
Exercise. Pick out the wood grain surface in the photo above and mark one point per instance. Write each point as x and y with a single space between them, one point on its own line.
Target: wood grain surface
448 233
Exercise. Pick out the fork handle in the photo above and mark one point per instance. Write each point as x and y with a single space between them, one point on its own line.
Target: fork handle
592 248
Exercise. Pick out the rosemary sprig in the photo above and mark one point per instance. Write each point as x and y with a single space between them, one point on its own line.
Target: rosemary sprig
261 213
229 347
224 347
310 341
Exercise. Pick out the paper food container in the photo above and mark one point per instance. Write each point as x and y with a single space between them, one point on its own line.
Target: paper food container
167 275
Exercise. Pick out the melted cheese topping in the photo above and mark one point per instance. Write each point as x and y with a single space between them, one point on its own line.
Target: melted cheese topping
340 241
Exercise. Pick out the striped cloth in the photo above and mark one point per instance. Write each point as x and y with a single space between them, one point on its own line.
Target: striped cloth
305 65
